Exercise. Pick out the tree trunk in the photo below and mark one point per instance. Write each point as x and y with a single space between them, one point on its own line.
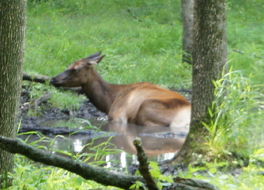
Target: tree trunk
209 57
12 29
187 37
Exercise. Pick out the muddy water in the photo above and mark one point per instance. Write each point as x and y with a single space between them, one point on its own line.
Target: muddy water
111 144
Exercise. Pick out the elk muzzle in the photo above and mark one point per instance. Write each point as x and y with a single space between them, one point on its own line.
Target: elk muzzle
60 80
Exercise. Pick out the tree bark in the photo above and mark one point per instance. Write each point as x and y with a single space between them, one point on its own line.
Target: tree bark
12 29
187 36
209 57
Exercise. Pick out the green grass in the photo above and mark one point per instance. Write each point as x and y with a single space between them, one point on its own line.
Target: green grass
60 32
244 33
135 51
142 42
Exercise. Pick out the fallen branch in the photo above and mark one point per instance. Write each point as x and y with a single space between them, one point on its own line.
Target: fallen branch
185 184
45 79
97 174
144 166
52 131
36 78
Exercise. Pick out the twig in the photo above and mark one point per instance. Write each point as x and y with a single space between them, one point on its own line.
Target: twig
243 53
144 166
97 174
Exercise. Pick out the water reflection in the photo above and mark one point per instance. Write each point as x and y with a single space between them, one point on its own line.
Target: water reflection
155 140
159 143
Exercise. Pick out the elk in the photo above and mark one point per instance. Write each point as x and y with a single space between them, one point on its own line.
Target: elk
140 103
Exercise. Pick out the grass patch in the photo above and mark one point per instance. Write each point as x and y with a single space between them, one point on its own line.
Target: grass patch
245 23
36 176
60 99
66 100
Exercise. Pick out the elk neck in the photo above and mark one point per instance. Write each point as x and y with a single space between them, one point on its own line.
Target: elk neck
100 92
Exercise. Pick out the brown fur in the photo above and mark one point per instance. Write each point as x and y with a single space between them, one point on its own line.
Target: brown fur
141 103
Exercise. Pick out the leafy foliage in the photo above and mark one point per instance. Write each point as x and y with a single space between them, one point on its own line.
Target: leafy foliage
162 180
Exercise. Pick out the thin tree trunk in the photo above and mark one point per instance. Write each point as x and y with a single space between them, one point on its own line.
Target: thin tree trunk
187 37
209 58
12 29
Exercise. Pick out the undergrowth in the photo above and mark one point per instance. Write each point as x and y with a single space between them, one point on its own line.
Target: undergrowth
236 117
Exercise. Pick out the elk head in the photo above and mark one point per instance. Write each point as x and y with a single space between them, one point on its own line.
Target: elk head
78 73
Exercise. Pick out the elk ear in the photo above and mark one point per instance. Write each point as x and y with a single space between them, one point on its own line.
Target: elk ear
91 60
94 55
95 60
